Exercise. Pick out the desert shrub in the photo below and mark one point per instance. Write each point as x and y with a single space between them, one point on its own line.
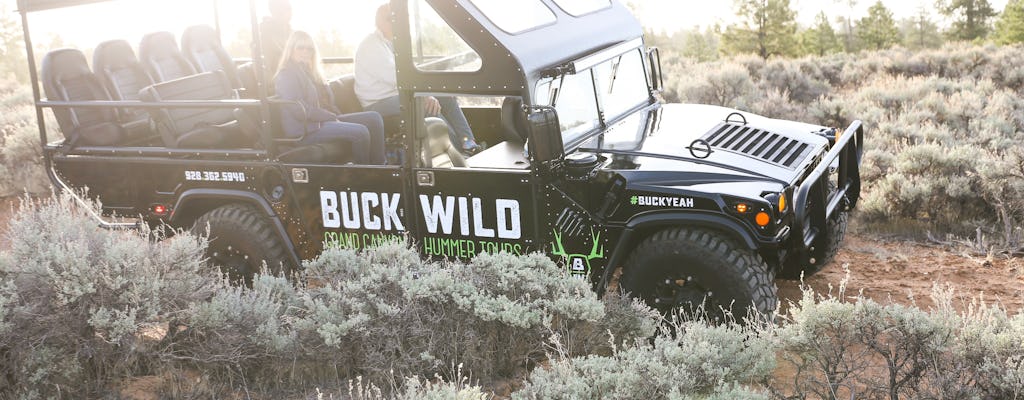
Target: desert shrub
777 103
718 84
241 336
854 347
491 315
699 361
81 304
21 159
417 389
625 321
798 80
384 314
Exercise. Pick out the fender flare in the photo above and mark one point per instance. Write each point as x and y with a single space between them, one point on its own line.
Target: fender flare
660 220
239 196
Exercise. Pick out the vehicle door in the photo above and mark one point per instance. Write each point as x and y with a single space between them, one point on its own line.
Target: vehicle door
344 206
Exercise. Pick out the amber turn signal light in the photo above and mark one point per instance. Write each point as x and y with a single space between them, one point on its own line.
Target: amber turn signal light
782 202
762 219
742 208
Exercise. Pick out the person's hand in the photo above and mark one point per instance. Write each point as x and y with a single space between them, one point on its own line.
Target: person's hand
431 106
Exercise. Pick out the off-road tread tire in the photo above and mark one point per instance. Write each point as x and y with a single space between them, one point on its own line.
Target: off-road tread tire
732 272
792 269
251 232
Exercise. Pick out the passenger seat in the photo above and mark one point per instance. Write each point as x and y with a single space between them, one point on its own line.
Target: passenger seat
436 148
201 127
159 53
122 75
66 77
344 91
201 46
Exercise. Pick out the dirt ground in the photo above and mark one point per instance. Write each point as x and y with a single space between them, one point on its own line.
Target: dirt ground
905 272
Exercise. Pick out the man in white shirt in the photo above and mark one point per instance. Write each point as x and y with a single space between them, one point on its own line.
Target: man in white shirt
377 85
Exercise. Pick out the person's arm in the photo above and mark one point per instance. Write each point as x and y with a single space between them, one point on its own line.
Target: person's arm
290 85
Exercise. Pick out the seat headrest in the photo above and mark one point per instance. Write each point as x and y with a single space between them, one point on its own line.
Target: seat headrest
201 45
62 64
157 44
113 54
199 37
158 51
513 120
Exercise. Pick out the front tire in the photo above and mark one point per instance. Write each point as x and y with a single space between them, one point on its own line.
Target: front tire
826 247
691 270
241 240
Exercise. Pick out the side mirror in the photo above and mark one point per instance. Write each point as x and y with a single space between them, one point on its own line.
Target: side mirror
657 82
545 133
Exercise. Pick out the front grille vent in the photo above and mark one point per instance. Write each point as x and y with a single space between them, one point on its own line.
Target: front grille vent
768 146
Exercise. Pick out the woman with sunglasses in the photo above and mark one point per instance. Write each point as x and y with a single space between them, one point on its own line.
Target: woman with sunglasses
300 78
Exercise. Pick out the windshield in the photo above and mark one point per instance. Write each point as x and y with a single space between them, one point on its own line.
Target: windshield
610 90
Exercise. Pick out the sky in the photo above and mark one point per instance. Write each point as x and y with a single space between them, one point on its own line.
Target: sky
353 19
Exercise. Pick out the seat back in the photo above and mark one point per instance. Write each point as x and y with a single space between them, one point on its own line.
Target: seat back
66 77
202 47
121 74
198 127
158 52
436 149
247 78
513 120
344 90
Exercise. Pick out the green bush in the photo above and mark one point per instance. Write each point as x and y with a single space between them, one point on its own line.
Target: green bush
21 159
699 361
860 348
76 300
491 315
384 313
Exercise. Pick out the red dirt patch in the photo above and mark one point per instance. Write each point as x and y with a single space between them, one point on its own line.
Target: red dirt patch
905 273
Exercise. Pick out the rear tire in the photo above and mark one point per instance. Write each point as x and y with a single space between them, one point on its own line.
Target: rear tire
689 269
241 240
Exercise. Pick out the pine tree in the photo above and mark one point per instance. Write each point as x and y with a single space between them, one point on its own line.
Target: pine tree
12 47
970 18
700 46
1010 26
878 30
767 28
920 32
848 39
820 39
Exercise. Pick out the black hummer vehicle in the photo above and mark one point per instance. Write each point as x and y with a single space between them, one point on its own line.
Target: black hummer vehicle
693 203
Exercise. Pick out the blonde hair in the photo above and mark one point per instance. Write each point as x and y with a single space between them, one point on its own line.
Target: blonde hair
317 68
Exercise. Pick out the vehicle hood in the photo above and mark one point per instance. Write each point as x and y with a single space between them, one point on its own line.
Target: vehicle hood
657 145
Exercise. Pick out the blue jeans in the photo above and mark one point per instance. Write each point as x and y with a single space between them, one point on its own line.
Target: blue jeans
458 128
363 130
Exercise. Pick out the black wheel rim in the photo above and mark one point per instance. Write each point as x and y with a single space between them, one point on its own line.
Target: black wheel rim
678 291
232 261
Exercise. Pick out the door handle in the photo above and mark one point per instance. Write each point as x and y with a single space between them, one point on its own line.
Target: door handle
425 178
